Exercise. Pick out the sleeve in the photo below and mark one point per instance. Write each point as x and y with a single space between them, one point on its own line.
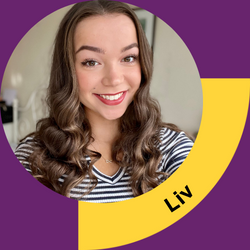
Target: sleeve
23 151
175 148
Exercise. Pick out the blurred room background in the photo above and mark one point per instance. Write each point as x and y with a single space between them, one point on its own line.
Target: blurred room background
176 82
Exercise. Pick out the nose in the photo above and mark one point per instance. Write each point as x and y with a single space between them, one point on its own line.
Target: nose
113 75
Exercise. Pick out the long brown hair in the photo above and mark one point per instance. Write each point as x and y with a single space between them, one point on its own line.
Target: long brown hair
61 140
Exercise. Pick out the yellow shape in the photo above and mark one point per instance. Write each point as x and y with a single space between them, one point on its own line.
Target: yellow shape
225 106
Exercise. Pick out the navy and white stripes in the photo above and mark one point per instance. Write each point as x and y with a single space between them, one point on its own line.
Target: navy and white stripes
174 147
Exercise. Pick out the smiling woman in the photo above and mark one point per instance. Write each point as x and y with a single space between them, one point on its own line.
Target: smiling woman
107 67
104 140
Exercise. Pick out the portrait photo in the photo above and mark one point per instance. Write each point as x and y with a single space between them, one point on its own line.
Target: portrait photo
101 101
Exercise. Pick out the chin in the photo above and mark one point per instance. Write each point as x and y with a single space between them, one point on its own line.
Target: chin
113 115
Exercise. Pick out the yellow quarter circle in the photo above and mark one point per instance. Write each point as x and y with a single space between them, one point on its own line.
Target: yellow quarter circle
225 107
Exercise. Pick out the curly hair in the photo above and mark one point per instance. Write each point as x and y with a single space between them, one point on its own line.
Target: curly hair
61 140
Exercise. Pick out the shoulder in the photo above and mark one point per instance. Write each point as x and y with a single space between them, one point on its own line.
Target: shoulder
169 138
174 147
26 145
24 149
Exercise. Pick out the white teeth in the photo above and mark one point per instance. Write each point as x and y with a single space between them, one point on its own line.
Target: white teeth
112 97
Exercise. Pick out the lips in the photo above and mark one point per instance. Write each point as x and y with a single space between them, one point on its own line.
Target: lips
111 99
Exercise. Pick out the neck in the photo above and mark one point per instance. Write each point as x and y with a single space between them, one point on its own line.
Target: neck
103 130
105 133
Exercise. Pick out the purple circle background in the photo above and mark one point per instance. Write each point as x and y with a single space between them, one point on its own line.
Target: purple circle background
217 34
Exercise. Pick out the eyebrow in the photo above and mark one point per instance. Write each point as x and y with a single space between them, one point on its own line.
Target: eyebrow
99 50
129 47
87 47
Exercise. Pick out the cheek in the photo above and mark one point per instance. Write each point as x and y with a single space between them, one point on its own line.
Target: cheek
86 82
135 78
81 85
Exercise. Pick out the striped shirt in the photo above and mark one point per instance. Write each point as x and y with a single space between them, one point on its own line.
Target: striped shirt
174 147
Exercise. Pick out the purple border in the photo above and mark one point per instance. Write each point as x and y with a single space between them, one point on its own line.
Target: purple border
216 34
215 31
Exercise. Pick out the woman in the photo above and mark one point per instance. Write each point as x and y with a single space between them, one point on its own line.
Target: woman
104 140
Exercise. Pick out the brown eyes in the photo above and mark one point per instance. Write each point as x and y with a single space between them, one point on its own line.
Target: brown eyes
129 59
93 63
89 63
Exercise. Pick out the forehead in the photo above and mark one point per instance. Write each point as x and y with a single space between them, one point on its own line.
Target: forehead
105 30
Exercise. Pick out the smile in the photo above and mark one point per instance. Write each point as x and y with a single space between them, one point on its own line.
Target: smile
111 99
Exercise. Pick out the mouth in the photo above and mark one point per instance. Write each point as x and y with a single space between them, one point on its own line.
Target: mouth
112 99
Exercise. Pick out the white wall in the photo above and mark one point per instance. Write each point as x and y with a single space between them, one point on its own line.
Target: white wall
29 67
176 82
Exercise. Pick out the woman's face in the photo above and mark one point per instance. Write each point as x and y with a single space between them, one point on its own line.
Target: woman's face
107 64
